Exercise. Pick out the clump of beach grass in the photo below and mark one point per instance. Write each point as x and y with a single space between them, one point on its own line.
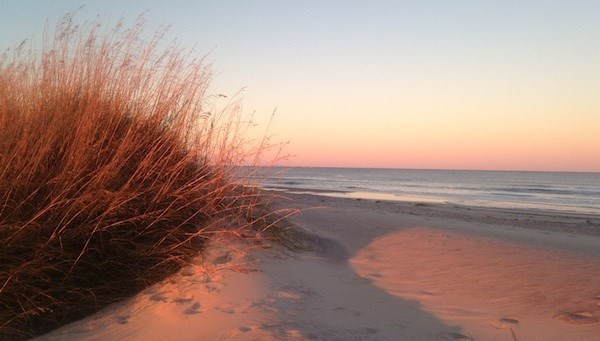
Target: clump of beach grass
113 172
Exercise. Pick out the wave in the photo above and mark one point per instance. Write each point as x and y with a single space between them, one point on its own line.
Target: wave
547 190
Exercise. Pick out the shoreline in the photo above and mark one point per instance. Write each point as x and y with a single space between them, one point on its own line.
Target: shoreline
383 196
528 218
266 293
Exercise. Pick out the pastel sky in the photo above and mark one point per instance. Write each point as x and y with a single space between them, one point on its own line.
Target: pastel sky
501 85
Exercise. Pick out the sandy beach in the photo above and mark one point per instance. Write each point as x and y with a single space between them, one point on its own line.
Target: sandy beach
379 270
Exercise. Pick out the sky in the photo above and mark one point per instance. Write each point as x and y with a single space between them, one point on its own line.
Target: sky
498 85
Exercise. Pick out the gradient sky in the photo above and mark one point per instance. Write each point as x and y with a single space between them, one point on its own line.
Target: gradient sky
401 84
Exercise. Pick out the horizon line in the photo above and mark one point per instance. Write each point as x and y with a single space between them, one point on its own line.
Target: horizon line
432 169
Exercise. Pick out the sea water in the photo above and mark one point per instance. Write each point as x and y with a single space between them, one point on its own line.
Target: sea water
559 191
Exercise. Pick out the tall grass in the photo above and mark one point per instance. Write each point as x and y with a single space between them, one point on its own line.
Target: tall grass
112 172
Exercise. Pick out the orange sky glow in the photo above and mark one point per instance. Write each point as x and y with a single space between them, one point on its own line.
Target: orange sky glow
506 85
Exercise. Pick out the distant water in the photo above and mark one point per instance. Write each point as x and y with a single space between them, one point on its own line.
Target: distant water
574 192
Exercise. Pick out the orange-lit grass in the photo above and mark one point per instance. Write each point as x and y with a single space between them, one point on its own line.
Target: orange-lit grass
112 173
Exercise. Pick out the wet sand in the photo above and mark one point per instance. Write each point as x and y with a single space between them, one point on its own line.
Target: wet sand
377 270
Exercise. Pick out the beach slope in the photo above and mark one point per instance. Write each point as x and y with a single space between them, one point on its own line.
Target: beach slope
380 270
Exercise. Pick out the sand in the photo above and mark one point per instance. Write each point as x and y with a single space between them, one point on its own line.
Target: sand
379 270
488 287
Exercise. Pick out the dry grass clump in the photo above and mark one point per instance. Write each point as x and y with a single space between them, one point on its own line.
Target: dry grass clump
112 174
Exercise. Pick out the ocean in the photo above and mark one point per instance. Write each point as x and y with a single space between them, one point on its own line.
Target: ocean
556 191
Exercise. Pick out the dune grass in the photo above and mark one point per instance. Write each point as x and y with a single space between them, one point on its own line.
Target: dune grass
112 172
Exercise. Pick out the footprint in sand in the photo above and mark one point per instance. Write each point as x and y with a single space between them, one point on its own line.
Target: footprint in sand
245 329
505 323
123 319
160 297
194 309
457 336
180 300
510 320
579 317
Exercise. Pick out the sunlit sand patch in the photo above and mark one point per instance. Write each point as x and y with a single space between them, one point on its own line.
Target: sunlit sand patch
579 317
196 301
493 289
